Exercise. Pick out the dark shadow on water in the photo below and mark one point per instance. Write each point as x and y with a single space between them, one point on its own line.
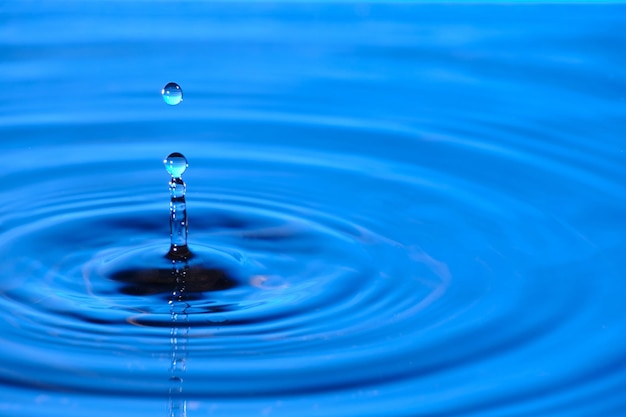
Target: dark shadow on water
197 279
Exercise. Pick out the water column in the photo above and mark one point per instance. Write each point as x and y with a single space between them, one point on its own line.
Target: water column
179 253
176 164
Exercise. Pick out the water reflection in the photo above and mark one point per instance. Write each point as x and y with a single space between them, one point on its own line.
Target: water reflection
179 335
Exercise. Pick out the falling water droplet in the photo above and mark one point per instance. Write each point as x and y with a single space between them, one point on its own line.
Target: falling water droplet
175 164
172 94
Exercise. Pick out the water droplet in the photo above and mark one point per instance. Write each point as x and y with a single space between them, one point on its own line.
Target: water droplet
172 94
175 164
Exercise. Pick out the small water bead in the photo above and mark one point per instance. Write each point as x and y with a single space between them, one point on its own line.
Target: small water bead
172 94
175 164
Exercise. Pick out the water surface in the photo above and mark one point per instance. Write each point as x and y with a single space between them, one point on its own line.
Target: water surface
405 210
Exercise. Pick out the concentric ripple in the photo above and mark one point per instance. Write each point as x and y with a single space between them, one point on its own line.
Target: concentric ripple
394 211
414 280
303 275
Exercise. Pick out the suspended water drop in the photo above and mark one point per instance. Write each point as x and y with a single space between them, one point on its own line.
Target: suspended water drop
175 164
172 94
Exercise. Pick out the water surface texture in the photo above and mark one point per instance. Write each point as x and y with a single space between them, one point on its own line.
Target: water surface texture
394 210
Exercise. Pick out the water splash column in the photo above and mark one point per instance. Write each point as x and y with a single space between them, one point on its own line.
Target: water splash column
179 253
176 164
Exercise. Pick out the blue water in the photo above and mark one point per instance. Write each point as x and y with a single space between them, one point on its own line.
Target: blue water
395 210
